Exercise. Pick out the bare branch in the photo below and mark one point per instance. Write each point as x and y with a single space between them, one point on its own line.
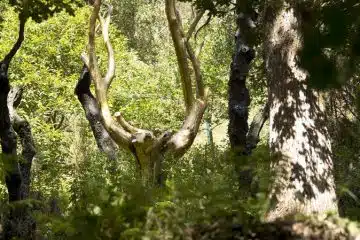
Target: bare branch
204 25
181 141
200 48
181 52
93 115
105 23
194 61
118 134
198 76
127 126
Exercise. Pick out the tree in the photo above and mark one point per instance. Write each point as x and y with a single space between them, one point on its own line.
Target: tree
17 171
241 139
40 10
10 121
7 133
311 55
149 150
299 142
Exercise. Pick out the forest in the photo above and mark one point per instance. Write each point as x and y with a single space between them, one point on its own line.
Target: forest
179 119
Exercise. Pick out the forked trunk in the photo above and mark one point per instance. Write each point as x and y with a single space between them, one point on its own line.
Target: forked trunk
299 143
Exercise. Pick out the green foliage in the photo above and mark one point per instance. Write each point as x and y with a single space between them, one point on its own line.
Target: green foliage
214 6
201 187
331 35
40 10
331 41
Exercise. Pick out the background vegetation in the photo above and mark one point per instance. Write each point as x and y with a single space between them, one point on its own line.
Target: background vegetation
75 195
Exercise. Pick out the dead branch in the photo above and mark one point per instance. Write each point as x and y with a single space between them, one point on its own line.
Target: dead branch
93 115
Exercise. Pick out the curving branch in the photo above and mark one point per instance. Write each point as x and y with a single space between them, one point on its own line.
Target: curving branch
105 23
200 48
92 113
126 125
181 52
118 134
191 54
194 23
23 16
200 91
204 25
181 141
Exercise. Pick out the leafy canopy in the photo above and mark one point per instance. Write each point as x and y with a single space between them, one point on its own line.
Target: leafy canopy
40 10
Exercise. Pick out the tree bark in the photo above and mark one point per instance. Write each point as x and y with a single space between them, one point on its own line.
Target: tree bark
17 223
238 94
8 140
299 142
7 134
149 150
92 112
181 52
253 135
23 130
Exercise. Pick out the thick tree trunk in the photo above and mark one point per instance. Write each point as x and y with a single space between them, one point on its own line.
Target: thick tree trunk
92 112
299 142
